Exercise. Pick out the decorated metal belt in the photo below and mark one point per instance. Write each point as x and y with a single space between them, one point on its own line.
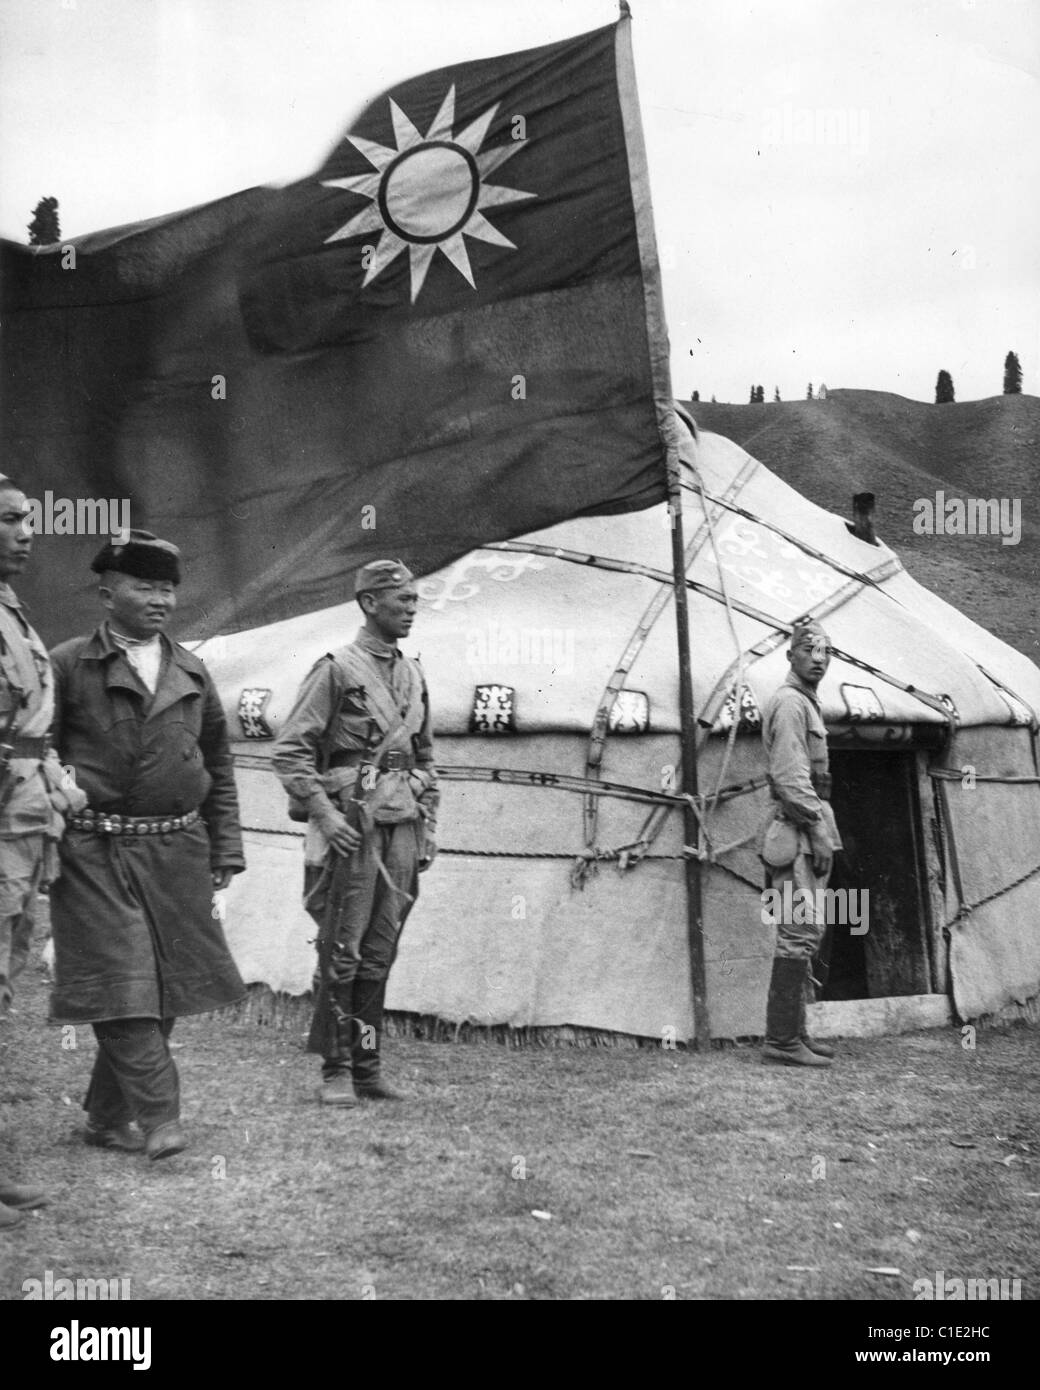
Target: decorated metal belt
97 823
27 747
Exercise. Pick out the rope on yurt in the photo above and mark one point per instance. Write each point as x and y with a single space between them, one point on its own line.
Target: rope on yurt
781 631
952 855
1011 694
635 644
871 578
983 902
738 689
942 775
828 605
953 774
655 822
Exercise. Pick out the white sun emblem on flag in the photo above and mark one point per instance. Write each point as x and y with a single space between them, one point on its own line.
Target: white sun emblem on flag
429 192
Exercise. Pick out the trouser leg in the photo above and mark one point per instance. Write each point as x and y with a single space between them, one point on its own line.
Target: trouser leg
347 895
139 1061
369 999
399 847
104 1102
21 871
16 932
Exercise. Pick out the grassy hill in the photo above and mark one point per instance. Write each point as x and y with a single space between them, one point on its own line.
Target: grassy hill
902 450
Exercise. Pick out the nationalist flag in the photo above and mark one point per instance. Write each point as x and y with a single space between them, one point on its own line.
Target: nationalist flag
450 334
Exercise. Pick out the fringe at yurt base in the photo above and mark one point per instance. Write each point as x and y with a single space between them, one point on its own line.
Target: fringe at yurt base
263 1008
1026 1012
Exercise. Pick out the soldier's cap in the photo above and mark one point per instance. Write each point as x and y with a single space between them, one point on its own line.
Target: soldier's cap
382 574
807 629
142 555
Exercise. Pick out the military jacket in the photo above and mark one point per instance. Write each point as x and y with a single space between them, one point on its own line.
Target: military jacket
795 739
345 704
27 693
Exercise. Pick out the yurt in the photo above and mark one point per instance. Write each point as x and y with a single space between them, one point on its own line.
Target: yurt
559 897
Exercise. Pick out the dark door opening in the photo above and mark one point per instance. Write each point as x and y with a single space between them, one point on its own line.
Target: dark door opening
875 801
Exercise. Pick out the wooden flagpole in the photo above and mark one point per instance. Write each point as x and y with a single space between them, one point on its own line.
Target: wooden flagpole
688 746
668 425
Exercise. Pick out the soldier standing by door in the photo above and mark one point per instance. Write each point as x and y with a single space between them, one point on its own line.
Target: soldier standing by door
357 753
799 842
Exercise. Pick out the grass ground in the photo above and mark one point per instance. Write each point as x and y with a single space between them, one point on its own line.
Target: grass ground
659 1174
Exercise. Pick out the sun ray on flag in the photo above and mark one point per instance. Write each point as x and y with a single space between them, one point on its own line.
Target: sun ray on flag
493 195
455 250
420 264
440 128
490 160
378 155
405 133
366 221
473 136
481 228
388 249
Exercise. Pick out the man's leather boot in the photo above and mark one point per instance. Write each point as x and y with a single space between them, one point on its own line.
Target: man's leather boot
18 1197
336 1082
821 1049
368 1080
814 1044
9 1217
784 1014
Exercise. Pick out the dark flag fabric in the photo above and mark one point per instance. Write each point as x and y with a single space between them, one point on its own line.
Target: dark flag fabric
450 334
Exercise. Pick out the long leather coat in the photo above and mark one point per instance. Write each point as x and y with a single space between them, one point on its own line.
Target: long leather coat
134 929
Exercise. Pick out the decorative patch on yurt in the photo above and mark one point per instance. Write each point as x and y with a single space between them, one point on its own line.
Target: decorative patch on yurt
252 707
494 710
467 577
862 702
749 716
630 713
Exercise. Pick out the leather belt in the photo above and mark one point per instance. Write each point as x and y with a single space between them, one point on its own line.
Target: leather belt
390 762
27 747
97 823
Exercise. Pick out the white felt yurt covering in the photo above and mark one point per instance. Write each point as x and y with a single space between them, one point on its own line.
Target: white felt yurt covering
548 908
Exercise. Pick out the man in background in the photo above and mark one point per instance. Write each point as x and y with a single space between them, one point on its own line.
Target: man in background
32 796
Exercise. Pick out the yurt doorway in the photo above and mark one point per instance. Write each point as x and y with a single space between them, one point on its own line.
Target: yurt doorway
885 953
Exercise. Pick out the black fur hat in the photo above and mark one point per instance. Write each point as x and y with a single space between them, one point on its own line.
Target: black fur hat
143 555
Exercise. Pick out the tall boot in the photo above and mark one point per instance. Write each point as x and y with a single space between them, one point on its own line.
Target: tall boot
368 1009
821 1049
784 1014
336 1088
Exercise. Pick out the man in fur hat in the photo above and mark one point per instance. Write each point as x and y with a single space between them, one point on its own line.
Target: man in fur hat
357 751
799 843
137 940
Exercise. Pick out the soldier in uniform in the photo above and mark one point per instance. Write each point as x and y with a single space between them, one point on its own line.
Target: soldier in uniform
799 843
32 796
137 938
357 752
